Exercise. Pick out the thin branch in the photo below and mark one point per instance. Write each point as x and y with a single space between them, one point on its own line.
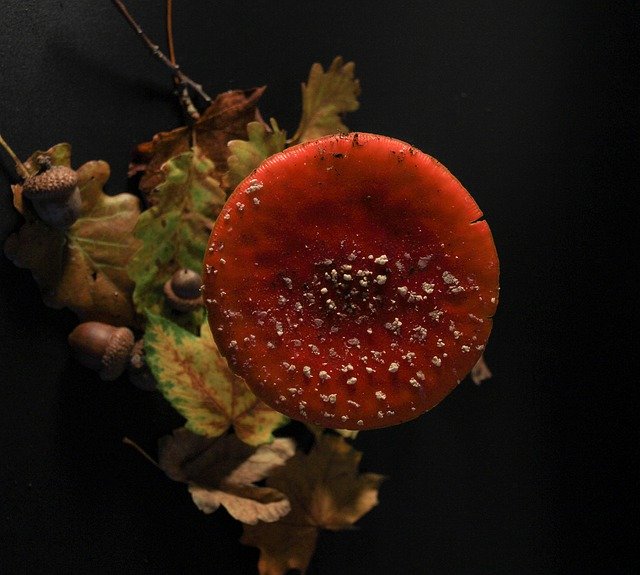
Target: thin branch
169 20
155 50
181 90
20 167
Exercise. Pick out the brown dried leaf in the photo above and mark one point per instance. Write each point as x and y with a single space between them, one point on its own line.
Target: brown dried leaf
326 492
84 268
222 472
480 371
225 119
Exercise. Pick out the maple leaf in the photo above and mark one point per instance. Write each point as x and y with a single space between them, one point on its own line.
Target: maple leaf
83 268
196 380
225 119
325 98
222 471
175 230
246 155
326 492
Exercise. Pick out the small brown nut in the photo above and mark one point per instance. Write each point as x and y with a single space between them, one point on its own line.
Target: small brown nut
102 347
183 290
55 196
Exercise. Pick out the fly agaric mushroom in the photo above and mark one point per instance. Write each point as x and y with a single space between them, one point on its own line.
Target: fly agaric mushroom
351 282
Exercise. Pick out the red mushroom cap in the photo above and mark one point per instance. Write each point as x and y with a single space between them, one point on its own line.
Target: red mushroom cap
350 282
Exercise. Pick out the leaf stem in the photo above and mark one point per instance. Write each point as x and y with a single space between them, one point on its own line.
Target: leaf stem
184 80
20 167
141 451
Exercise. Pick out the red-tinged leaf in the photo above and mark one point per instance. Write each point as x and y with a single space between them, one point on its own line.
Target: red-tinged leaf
196 380
225 119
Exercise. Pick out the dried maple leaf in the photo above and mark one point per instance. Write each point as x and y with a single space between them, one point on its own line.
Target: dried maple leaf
175 230
196 380
222 471
480 371
326 492
225 119
325 98
83 268
246 155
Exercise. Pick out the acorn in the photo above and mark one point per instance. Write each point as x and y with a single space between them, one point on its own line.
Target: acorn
102 347
183 290
55 196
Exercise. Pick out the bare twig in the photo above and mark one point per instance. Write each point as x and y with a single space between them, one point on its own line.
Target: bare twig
185 81
20 167
181 89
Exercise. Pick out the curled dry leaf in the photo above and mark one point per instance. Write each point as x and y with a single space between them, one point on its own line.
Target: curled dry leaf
480 371
222 471
326 492
174 231
196 380
83 268
225 119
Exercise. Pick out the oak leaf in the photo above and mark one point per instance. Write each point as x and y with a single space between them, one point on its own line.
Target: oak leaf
326 96
196 380
326 492
83 268
174 231
222 471
246 155
225 119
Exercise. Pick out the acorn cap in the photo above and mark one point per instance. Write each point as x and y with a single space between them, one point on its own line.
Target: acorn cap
57 182
183 290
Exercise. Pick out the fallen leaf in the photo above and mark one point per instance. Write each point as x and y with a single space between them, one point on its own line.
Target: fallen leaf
246 155
326 492
195 379
84 268
174 231
225 119
325 98
222 471
480 371
205 461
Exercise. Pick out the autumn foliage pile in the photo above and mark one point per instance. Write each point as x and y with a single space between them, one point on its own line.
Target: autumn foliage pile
111 266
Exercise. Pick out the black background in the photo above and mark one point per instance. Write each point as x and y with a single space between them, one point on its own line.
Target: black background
532 105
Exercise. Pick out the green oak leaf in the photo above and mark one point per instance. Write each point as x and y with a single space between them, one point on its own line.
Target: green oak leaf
83 268
325 98
196 380
175 230
246 155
